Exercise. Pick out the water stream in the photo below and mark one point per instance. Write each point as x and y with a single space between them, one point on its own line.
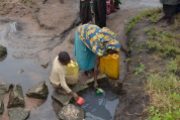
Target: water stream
18 40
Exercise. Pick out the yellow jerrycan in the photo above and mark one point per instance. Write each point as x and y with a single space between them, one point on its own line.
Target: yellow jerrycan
72 69
110 65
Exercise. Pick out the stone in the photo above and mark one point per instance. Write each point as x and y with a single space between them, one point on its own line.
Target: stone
39 91
72 112
116 86
1 107
100 78
5 86
18 114
3 51
2 93
16 98
45 65
21 71
65 99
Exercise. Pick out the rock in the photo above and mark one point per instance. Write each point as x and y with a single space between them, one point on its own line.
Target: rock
21 71
71 112
3 51
18 114
45 65
65 99
100 78
116 86
16 98
1 107
5 86
2 93
39 91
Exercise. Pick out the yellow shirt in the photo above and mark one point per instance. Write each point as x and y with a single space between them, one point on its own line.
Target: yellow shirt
58 75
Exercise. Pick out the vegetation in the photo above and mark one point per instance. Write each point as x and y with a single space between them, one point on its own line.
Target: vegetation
26 1
163 82
139 17
140 68
164 86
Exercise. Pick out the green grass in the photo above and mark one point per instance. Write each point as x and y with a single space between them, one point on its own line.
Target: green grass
163 82
154 18
166 99
164 85
26 1
139 69
139 17
161 41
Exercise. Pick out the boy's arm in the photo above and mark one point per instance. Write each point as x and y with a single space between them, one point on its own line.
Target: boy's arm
63 83
66 87
97 62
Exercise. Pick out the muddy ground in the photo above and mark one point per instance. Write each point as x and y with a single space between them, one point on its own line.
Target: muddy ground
45 30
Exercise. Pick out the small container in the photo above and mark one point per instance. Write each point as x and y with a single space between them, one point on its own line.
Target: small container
80 101
99 91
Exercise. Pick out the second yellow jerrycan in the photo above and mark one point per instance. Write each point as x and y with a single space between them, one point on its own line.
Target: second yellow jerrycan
110 65
72 69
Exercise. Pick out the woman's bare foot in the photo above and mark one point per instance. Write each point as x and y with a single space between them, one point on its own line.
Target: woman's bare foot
161 18
88 74
168 22
44 1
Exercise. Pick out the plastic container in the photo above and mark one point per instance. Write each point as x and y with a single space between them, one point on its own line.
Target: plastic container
80 101
99 91
72 69
110 65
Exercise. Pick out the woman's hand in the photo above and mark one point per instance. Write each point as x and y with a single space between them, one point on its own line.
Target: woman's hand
95 85
75 96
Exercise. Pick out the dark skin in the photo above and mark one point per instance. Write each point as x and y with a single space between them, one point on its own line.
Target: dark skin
97 62
60 90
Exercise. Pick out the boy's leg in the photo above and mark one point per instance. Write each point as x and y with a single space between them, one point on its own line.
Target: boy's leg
59 89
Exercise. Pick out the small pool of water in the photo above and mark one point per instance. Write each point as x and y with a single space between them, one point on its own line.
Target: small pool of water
100 107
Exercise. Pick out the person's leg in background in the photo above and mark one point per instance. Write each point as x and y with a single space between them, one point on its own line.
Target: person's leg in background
169 11
96 12
102 13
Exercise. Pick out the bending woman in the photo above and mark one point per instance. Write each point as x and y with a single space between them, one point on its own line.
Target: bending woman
91 43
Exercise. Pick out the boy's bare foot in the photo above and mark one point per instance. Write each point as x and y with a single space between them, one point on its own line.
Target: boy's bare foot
161 18
168 22
44 1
